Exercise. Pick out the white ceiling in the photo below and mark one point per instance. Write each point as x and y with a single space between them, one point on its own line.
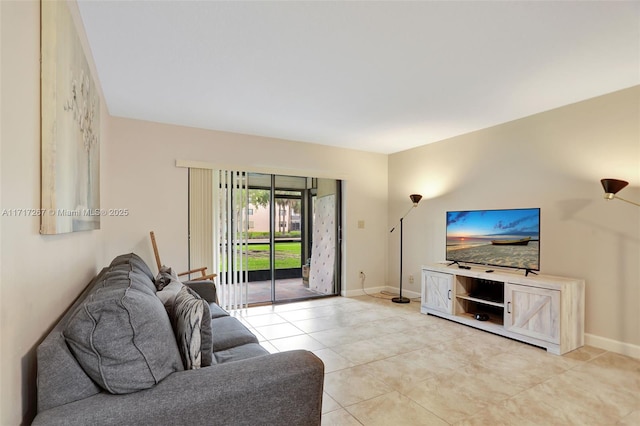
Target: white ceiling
373 76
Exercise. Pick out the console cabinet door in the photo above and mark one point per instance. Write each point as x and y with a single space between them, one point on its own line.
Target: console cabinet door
437 291
532 311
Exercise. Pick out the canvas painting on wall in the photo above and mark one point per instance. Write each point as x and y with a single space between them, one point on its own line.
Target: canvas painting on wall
70 128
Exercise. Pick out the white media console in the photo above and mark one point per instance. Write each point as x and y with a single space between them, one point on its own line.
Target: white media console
544 311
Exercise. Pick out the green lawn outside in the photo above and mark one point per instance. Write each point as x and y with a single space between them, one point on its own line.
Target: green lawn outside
287 256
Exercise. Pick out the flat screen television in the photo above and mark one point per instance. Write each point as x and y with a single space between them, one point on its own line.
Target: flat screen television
508 238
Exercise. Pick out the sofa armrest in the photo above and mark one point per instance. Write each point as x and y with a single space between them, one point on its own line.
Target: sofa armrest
278 389
205 289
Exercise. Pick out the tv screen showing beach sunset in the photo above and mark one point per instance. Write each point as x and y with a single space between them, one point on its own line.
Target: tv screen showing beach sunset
507 238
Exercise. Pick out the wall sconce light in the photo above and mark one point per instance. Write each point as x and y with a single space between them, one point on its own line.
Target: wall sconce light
612 187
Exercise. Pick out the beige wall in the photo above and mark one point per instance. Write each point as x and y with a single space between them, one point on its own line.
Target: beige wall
39 275
142 177
553 160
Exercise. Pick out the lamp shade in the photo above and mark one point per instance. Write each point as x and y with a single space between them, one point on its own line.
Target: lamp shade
613 186
415 198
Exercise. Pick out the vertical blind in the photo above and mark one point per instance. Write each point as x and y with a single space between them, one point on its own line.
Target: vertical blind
218 230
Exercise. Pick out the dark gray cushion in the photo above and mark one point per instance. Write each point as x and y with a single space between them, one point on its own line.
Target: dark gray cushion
278 389
122 338
60 379
228 332
250 350
205 288
217 311
136 263
123 275
192 326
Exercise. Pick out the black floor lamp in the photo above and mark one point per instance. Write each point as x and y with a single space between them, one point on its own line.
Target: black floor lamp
415 199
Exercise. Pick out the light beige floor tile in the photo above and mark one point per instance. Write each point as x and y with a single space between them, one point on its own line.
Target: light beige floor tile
580 405
302 341
519 368
329 404
614 369
393 409
365 351
539 356
580 387
286 307
315 312
262 320
474 382
365 316
496 415
472 347
585 353
430 335
269 347
256 310
353 385
334 337
339 418
441 396
632 419
350 308
318 324
538 406
393 324
332 361
278 331
403 372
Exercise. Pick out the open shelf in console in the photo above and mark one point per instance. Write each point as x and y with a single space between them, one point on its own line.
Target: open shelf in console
479 296
468 308
480 290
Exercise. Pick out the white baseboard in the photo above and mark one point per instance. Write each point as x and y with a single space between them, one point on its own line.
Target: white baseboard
612 345
405 293
359 292
373 290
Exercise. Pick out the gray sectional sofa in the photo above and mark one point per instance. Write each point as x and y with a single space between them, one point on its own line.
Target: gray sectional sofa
121 356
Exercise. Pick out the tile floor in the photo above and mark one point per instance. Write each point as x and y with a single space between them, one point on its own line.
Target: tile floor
387 364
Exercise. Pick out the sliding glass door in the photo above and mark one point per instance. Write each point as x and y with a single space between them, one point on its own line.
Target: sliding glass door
269 238
286 214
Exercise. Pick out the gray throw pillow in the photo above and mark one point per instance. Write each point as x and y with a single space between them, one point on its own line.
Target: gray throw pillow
191 321
164 277
168 286
123 340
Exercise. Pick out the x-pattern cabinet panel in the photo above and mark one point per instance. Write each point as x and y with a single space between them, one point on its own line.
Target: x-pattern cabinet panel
533 312
437 291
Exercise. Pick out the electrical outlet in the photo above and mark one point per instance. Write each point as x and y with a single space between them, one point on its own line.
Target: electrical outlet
361 274
411 279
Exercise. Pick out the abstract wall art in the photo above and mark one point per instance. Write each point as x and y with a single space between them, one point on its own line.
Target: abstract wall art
70 114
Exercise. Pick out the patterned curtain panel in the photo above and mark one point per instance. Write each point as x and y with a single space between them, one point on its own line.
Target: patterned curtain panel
323 253
201 219
218 230
230 236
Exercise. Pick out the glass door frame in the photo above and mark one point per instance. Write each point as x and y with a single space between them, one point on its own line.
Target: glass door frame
306 233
